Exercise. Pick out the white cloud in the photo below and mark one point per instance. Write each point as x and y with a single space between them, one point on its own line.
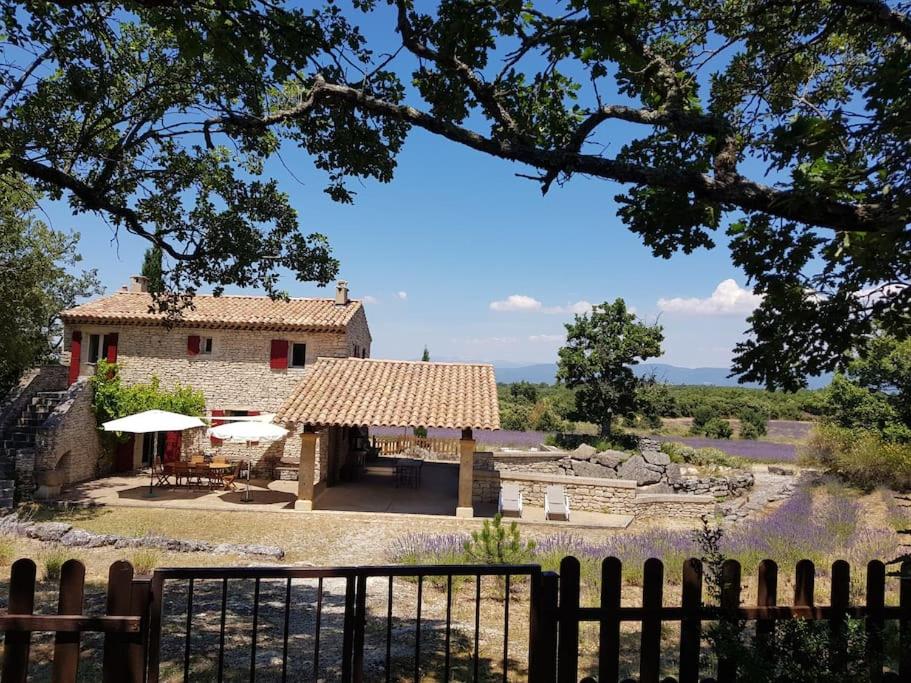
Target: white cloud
402 295
579 308
729 298
370 299
546 338
522 302
516 302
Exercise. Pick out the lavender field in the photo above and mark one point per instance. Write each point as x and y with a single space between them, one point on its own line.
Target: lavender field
765 451
821 524
487 437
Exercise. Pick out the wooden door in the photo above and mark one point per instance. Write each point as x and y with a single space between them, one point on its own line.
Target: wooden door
172 446
123 456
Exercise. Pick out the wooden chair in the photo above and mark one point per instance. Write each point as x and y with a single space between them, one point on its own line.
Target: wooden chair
197 459
182 471
229 481
161 474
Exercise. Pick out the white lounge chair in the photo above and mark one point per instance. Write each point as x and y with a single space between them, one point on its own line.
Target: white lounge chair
556 503
510 500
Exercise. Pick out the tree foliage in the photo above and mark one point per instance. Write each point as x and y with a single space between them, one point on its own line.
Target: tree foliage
875 393
597 358
39 277
783 124
152 268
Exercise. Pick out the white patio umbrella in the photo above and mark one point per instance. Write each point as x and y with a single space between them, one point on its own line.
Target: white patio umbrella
248 432
153 421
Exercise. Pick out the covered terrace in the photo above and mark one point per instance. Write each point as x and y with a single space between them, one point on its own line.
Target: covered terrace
354 394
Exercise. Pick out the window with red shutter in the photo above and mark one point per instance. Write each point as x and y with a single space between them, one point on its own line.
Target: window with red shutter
193 345
75 355
110 341
278 355
215 423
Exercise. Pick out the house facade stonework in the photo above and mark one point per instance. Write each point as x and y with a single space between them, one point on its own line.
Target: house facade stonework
244 353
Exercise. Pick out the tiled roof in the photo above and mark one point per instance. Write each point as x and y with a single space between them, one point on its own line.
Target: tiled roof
391 393
220 312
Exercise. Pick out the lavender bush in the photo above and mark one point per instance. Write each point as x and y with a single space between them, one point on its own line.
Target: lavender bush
821 528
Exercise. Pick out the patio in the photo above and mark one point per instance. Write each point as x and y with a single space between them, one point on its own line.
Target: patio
372 495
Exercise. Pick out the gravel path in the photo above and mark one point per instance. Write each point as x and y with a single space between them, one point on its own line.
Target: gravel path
767 488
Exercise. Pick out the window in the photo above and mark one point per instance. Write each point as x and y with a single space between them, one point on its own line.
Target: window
298 355
205 346
357 351
94 348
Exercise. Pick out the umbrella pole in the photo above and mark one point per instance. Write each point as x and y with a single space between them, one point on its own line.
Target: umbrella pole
151 493
247 492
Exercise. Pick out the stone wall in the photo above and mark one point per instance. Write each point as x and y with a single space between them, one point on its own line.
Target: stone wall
674 506
67 447
734 485
236 376
590 494
42 378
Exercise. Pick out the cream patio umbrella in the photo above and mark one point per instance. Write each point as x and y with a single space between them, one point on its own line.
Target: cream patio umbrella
153 421
248 432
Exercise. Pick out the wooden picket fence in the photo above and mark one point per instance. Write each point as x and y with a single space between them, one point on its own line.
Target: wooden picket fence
396 445
692 612
132 623
124 625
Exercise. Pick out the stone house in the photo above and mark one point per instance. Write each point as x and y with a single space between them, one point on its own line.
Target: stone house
245 353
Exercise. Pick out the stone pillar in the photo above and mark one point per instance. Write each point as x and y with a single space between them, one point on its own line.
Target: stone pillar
466 475
306 471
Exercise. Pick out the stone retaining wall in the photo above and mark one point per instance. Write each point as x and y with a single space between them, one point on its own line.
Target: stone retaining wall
613 496
67 447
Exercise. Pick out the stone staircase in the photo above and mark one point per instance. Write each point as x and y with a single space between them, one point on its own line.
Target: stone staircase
17 446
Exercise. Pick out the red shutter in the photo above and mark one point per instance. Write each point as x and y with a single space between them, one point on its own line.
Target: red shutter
111 341
172 444
193 346
278 357
215 423
75 355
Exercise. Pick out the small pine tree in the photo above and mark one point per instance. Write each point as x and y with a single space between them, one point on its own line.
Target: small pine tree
496 543
426 355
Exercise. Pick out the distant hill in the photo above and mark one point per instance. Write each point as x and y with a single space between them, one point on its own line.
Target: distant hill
672 374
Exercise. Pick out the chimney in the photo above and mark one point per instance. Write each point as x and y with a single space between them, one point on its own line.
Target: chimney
139 283
341 293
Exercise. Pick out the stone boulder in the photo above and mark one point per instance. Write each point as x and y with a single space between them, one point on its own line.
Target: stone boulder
638 470
584 451
583 468
611 459
656 457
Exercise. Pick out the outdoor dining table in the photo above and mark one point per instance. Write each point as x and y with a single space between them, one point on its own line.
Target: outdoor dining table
197 470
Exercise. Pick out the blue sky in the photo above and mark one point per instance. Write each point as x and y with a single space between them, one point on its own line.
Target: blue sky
439 251
456 231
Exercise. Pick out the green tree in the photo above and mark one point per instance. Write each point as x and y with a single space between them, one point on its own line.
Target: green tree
426 355
597 358
39 277
162 115
152 269
524 391
653 401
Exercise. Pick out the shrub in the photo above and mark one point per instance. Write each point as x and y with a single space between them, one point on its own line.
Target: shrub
701 457
717 428
7 550
516 417
53 559
749 431
145 560
859 456
498 544
753 422
702 415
